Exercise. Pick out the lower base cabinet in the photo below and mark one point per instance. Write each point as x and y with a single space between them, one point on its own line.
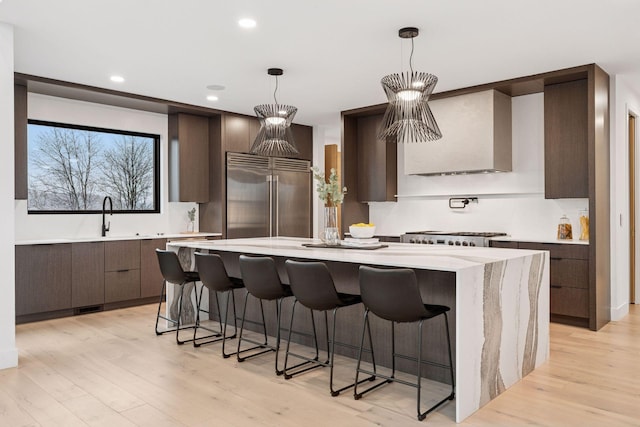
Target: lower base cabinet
53 280
43 278
87 274
568 279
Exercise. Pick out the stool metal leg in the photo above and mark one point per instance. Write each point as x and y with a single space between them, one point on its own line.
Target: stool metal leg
217 336
287 369
258 345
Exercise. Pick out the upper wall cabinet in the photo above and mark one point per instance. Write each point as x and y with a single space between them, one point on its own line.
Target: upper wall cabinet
20 157
188 158
566 164
376 162
476 136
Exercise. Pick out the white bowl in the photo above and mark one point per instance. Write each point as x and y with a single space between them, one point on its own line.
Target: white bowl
362 232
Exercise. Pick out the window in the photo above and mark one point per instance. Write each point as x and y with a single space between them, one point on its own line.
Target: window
72 168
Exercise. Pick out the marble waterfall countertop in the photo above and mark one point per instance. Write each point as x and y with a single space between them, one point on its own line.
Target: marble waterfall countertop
111 238
500 302
428 257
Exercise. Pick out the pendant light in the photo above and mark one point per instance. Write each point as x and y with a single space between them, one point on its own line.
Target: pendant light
408 117
275 137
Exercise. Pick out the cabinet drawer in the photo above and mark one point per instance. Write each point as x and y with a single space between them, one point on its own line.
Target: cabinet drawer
570 302
121 285
572 273
122 255
559 250
503 244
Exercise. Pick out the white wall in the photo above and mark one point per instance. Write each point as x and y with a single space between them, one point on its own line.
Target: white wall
8 351
623 101
172 217
511 202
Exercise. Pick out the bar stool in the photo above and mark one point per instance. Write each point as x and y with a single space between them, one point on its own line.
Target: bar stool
313 287
393 294
215 278
172 272
261 279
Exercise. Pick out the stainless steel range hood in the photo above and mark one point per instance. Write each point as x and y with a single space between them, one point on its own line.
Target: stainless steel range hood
476 137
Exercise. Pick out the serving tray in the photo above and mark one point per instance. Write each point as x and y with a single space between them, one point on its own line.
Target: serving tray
323 245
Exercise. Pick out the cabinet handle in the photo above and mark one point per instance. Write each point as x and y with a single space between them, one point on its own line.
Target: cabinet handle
556 286
556 258
122 271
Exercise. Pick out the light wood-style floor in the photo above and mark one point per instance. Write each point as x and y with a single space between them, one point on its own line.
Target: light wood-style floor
110 369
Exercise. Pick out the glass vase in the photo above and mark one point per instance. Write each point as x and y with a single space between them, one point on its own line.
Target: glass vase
329 233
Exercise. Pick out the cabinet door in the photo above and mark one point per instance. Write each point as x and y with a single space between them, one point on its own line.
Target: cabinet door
43 278
150 276
377 163
189 141
236 131
87 274
121 285
566 163
303 137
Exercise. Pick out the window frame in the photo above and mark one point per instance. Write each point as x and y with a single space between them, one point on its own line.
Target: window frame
156 168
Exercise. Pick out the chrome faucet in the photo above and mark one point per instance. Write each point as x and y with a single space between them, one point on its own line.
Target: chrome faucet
105 226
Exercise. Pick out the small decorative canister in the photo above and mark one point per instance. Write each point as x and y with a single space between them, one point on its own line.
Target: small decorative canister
584 224
564 229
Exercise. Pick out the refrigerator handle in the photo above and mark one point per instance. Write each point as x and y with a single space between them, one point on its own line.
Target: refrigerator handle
270 181
277 204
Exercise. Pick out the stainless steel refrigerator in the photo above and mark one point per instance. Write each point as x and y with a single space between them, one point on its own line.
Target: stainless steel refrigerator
267 196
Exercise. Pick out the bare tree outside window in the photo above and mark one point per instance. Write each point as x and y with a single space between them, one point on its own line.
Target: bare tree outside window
66 161
72 168
128 171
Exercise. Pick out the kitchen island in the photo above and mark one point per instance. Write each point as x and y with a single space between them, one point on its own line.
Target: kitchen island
499 301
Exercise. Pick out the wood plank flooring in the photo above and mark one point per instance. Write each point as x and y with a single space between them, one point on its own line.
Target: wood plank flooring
110 369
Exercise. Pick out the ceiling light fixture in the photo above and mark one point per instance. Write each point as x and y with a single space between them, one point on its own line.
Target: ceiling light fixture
117 79
247 23
408 117
275 137
212 98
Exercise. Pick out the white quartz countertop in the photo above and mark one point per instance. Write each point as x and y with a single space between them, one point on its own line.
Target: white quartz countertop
429 257
140 236
540 240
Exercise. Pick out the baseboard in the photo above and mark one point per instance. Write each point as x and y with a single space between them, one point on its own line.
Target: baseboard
9 358
619 312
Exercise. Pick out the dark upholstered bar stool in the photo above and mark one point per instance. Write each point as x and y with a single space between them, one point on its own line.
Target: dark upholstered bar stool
215 278
393 294
313 287
172 272
261 279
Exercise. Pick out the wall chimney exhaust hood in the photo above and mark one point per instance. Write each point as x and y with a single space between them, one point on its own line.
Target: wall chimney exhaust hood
476 137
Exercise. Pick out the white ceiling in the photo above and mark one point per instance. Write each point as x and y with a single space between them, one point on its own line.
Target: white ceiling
334 52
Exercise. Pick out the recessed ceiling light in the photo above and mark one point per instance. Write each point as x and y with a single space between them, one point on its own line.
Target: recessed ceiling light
215 87
117 79
212 98
247 23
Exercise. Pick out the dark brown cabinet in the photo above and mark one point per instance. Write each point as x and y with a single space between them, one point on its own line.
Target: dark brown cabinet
20 126
303 136
188 158
566 165
568 279
87 274
122 270
150 275
43 278
377 162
